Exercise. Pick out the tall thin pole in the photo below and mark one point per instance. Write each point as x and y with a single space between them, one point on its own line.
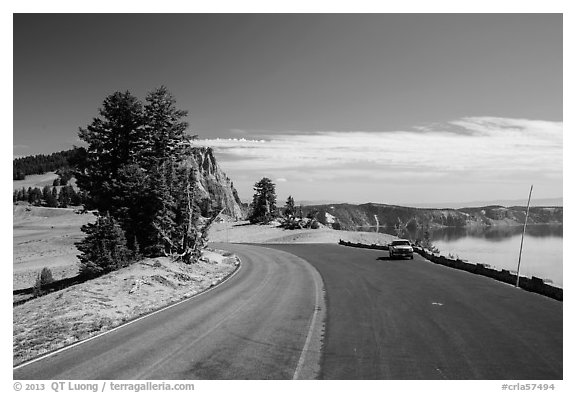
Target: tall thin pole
226 226
522 241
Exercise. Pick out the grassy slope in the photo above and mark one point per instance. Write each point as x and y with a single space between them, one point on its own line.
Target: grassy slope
81 311
39 181
45 237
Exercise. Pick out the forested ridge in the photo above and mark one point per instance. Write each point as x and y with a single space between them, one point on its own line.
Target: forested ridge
42 163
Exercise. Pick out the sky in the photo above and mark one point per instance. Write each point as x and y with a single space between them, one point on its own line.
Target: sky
388 108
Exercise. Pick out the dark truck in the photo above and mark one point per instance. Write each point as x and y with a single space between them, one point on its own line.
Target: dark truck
400 248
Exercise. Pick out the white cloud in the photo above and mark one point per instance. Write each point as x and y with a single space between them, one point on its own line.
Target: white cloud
481 146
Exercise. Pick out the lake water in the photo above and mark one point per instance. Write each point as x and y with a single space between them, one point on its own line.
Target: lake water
499 248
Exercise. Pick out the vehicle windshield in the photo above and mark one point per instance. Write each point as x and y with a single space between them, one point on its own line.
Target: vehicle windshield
401 243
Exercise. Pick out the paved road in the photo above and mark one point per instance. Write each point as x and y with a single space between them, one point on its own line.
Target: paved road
253 326
412 319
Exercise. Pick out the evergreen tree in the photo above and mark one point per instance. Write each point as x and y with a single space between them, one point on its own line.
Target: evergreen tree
64 197
37 196
45 191
264 202
134 206
289 209
64 176
34 196
18 174
114 140
103 249
52 198
164 127
75 198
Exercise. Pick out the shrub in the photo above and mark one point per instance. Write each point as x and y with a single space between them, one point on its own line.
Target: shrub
292 223
314 224
297 223
426 242
44 278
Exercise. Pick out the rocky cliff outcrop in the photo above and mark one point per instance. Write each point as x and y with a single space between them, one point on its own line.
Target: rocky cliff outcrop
215 188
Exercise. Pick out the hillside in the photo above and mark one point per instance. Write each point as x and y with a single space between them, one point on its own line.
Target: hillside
45 237
41 163
215 189
45 179
351 217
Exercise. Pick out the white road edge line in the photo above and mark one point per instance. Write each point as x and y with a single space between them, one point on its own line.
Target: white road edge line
310 331
127 323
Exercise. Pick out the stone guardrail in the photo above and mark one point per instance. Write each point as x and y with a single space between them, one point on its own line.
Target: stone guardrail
362 245
534 284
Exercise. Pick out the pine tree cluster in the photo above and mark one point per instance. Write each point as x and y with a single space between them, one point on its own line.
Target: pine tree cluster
50 196
136 172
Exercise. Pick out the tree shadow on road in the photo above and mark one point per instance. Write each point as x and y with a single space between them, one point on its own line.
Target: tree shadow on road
387 258
245 224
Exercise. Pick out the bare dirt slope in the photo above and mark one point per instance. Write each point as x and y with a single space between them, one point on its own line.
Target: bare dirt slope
45 237
243 232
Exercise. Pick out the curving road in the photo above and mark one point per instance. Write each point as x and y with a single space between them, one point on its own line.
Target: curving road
387 319
253 326
412 319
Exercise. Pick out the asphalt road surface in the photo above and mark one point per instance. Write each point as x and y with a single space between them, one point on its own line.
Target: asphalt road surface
412 319
253 326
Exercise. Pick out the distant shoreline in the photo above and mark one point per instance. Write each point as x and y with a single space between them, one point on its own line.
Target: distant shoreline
475 225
